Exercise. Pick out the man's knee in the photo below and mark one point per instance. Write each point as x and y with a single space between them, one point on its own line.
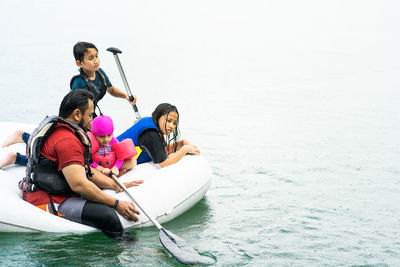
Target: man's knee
102 217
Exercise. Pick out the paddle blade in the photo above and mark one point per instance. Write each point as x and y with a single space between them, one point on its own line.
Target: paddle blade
181 250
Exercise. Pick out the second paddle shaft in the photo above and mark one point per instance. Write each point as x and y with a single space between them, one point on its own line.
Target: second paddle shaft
115 52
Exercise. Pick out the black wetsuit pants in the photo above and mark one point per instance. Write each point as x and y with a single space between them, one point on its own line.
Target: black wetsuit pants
93 214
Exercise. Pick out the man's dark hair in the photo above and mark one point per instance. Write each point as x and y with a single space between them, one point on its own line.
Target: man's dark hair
80 48
75 99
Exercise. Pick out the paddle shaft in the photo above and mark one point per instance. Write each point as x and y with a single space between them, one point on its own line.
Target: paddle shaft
175 245
140 207
121 71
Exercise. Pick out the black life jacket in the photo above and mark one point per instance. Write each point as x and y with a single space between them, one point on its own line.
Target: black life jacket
98 93
41 172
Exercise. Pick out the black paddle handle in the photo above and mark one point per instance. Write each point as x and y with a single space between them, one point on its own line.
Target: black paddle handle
114 50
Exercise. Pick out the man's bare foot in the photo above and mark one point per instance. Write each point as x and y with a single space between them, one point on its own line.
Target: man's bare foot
8 160
16 137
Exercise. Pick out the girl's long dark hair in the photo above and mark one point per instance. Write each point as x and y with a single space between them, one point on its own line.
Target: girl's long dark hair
165 109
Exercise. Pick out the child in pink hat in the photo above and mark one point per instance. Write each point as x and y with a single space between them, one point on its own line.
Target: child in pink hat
108 154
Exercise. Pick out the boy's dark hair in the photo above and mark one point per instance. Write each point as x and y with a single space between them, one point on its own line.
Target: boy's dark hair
80 48
165 109
75 99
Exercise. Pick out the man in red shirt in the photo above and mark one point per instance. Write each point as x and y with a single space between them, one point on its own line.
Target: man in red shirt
87 204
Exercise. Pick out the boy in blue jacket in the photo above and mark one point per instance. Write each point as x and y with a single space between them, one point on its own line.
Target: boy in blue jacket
91 76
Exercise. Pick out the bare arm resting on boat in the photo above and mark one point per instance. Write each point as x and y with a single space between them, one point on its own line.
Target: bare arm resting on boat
152 143
184 147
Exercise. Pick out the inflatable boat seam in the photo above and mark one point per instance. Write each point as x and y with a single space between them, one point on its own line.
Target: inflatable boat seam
200 189
20 226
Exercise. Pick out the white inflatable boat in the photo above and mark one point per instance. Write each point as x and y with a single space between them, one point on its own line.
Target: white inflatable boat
165 194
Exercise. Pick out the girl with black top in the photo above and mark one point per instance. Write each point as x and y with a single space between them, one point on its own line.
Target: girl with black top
148 133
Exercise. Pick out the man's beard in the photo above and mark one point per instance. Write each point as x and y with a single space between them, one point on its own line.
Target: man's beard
81 124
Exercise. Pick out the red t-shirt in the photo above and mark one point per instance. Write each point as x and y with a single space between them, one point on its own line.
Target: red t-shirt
64 148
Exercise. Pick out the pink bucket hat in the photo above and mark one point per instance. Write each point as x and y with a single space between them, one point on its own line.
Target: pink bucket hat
102 125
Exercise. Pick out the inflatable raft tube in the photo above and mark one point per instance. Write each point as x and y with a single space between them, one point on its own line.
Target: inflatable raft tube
165 194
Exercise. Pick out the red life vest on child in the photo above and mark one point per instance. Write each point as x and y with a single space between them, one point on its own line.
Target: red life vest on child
106 160
120 151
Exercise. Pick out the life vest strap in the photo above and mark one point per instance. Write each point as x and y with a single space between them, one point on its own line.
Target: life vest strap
45 207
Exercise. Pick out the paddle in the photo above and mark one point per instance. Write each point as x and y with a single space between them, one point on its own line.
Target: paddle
115 52
175 245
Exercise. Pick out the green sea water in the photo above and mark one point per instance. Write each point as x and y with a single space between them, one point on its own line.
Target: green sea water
96 249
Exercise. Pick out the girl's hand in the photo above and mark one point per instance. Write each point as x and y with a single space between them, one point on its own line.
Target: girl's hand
105 171
187 142
115 170
191 149
197 149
